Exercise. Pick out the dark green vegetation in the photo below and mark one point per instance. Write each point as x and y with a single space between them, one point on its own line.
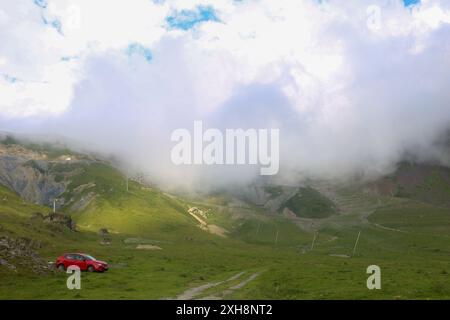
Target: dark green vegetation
158 250
9 140
274 191
309 203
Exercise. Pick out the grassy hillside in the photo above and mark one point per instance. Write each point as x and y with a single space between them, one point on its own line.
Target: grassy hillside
158 250
414 263
309 203
188 255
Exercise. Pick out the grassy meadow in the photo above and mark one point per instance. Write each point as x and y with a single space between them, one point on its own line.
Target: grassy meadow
408 239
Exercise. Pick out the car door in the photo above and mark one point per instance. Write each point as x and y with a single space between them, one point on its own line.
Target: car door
70 260
81 262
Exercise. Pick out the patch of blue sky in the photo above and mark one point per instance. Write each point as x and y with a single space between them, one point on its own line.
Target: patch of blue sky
138 49
411 2
55 24
9 79
68 58
41 3
187 19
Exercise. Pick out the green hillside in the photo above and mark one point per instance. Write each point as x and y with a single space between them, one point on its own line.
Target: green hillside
309 203
159 250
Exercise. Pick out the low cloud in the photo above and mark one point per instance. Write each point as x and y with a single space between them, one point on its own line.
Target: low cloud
352 90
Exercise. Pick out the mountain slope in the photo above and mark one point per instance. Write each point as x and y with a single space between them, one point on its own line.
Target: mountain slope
92 191
422 182
157 249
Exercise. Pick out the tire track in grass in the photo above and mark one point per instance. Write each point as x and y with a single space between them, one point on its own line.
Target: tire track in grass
196 291
230 290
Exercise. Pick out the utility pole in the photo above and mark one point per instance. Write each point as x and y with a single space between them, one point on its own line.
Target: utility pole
276 238
127 183
314 240
356 243
54 205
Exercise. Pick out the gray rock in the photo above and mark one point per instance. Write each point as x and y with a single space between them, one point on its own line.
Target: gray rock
29 179
60 219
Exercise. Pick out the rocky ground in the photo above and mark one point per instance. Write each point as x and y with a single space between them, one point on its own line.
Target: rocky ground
20 254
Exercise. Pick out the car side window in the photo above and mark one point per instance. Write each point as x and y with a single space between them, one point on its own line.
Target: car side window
69 257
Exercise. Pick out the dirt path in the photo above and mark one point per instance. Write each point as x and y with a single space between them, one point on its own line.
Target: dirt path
409 232
387 228
194 292
228 291
212 228
200 220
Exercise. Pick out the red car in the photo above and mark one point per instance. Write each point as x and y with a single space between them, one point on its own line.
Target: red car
84 261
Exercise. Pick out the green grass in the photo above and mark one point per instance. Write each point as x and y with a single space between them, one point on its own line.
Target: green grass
274 191
269 231
309 203
414 217
135 273
413 266
409 240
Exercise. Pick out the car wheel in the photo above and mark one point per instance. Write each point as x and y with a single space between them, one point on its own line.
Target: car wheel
90 269
61 267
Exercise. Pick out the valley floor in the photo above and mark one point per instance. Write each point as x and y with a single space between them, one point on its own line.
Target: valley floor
414 267
262 256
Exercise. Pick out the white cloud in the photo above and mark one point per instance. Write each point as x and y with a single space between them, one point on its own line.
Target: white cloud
354 96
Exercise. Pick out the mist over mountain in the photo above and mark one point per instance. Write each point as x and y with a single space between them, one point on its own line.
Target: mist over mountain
349 98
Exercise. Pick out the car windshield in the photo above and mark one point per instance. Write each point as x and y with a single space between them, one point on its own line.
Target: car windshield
88 257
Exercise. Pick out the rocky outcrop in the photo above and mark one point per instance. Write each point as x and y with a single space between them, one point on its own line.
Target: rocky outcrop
103 232
30 179
20 253
56 219
61 219
82 203
37 179
425 183
105 236
197 211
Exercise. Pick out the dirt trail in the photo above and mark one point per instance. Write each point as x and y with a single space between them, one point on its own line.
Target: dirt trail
194 292
388 228
228 291
212 228
200 220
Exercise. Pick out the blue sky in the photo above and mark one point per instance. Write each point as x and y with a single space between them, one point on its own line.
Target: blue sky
139 49
411 2
187 19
